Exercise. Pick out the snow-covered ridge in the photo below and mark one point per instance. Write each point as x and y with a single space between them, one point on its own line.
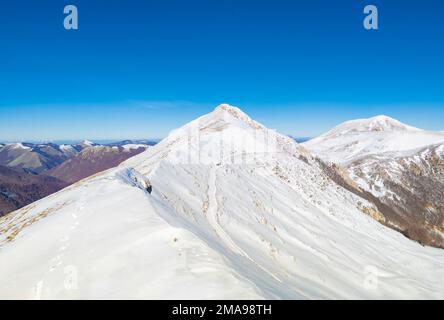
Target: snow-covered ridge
272 227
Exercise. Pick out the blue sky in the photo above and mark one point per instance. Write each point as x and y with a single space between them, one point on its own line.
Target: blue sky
137 69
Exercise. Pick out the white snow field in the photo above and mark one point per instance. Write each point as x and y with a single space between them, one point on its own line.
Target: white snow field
236 211
354 139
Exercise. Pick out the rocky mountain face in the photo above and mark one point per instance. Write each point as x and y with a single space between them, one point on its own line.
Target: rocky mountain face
412 185
397 167
92 160
233 210
18 189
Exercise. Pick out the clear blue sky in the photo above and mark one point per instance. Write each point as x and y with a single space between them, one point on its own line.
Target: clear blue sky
137 69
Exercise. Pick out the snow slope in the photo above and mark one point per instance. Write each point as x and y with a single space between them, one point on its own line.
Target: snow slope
236 211
102 239
357 138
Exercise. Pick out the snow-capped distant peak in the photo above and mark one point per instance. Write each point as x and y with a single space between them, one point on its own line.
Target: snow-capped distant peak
378 123
86 143
357 138
17 146
385 123
66 147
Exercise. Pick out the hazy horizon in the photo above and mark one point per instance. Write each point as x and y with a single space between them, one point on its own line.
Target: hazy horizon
105 140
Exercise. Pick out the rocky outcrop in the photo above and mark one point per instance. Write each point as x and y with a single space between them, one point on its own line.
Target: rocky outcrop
412 186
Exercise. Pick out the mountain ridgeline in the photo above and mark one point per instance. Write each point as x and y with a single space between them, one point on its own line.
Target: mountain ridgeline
224 208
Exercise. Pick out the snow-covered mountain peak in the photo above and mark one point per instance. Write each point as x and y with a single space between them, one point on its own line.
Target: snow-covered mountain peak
87 143
385 123
223 119
224 136
227 107
357 138
234 111
379 123
17 146
233 115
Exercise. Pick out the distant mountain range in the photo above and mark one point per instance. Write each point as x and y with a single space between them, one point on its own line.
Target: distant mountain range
92 160
32 171
37 158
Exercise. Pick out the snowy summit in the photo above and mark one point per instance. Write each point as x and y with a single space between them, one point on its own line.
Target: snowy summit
356 138
378 123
